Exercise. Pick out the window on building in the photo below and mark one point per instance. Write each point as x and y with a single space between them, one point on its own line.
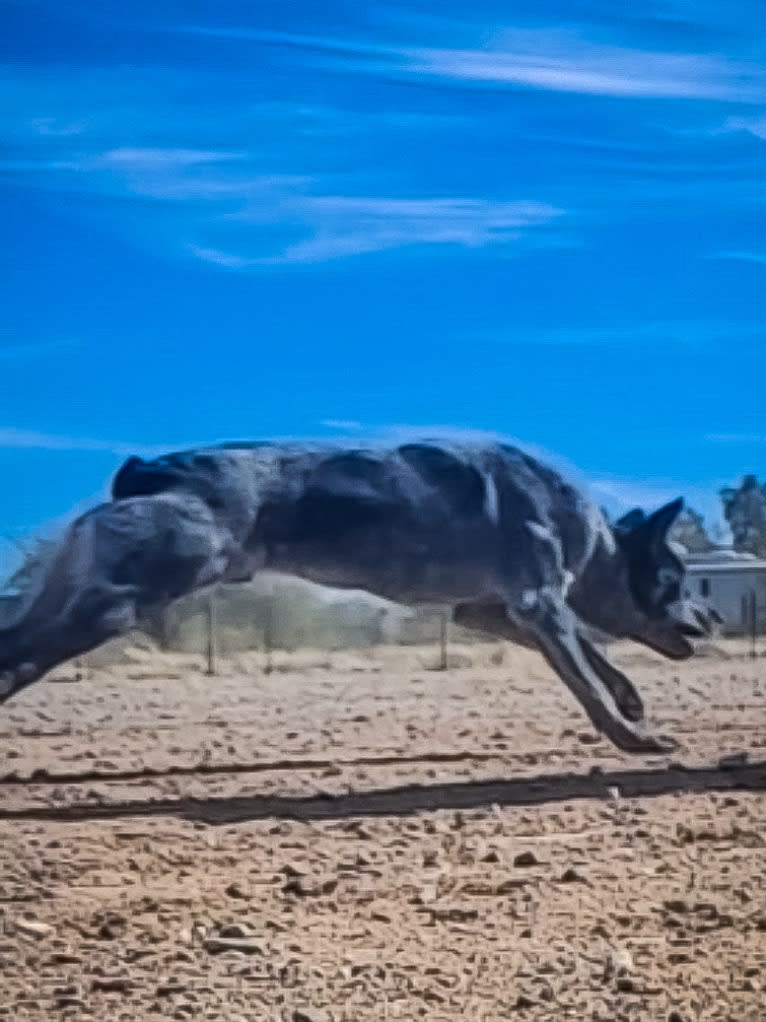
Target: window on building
704 587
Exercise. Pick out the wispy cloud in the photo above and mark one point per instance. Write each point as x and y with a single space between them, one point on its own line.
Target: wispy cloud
678 332
245 219
544 62
137 158
755 126
623 494
345 226
545 59
24 439
343 425
619 495
36 349
743 257
218 258
339 227
737 439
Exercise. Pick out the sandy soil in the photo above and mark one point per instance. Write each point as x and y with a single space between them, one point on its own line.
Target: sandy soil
360 836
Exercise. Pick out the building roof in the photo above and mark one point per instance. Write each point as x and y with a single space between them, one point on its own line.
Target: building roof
720 555
732 567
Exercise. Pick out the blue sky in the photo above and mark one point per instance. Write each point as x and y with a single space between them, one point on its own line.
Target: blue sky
239 220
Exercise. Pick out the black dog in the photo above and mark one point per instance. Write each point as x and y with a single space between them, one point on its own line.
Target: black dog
485 529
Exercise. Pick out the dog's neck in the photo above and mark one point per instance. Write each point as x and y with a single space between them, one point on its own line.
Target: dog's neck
601 593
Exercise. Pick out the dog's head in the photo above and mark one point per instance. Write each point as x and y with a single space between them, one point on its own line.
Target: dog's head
668 618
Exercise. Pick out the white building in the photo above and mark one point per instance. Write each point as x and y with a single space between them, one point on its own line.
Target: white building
730 581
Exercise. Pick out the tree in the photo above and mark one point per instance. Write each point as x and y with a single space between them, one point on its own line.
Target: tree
689 530
745 511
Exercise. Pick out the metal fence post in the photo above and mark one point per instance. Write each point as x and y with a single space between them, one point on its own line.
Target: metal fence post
268 624
443 642
212 644
753 624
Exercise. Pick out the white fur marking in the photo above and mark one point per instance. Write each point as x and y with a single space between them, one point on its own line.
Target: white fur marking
540 531
491 500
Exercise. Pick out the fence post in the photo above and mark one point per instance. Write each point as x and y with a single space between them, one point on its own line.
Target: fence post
443 642
753 623
212 644
267 634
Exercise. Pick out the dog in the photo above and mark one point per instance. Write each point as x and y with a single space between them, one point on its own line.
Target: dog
505 542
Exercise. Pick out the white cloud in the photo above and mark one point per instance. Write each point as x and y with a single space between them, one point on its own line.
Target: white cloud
621 495
628 493
24 439
219 258
741 256
344 425
343 226
679 332
56 127
546 59
737 439
158 159
752 125
36 349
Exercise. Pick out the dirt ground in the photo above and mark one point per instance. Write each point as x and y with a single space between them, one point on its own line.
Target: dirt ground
360 836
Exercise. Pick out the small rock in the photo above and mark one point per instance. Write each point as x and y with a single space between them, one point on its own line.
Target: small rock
677 905
235 890
732 761
621 961
525 859
235 931
588 737
170 988
112 984
65 958
220 945
32 928
70 990
306 887
625 984
291 870
76 1003
426 894
309 1015
571 876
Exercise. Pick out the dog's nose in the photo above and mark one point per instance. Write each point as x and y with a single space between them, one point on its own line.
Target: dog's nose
704 620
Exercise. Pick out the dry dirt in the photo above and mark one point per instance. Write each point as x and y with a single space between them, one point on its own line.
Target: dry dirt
359 836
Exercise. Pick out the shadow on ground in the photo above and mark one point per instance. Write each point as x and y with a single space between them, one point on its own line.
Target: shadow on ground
401 801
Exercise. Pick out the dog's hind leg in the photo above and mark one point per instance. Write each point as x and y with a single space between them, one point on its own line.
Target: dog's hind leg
116 564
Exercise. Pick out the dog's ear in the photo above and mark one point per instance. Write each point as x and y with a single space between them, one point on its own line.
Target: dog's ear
632 520
658 524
